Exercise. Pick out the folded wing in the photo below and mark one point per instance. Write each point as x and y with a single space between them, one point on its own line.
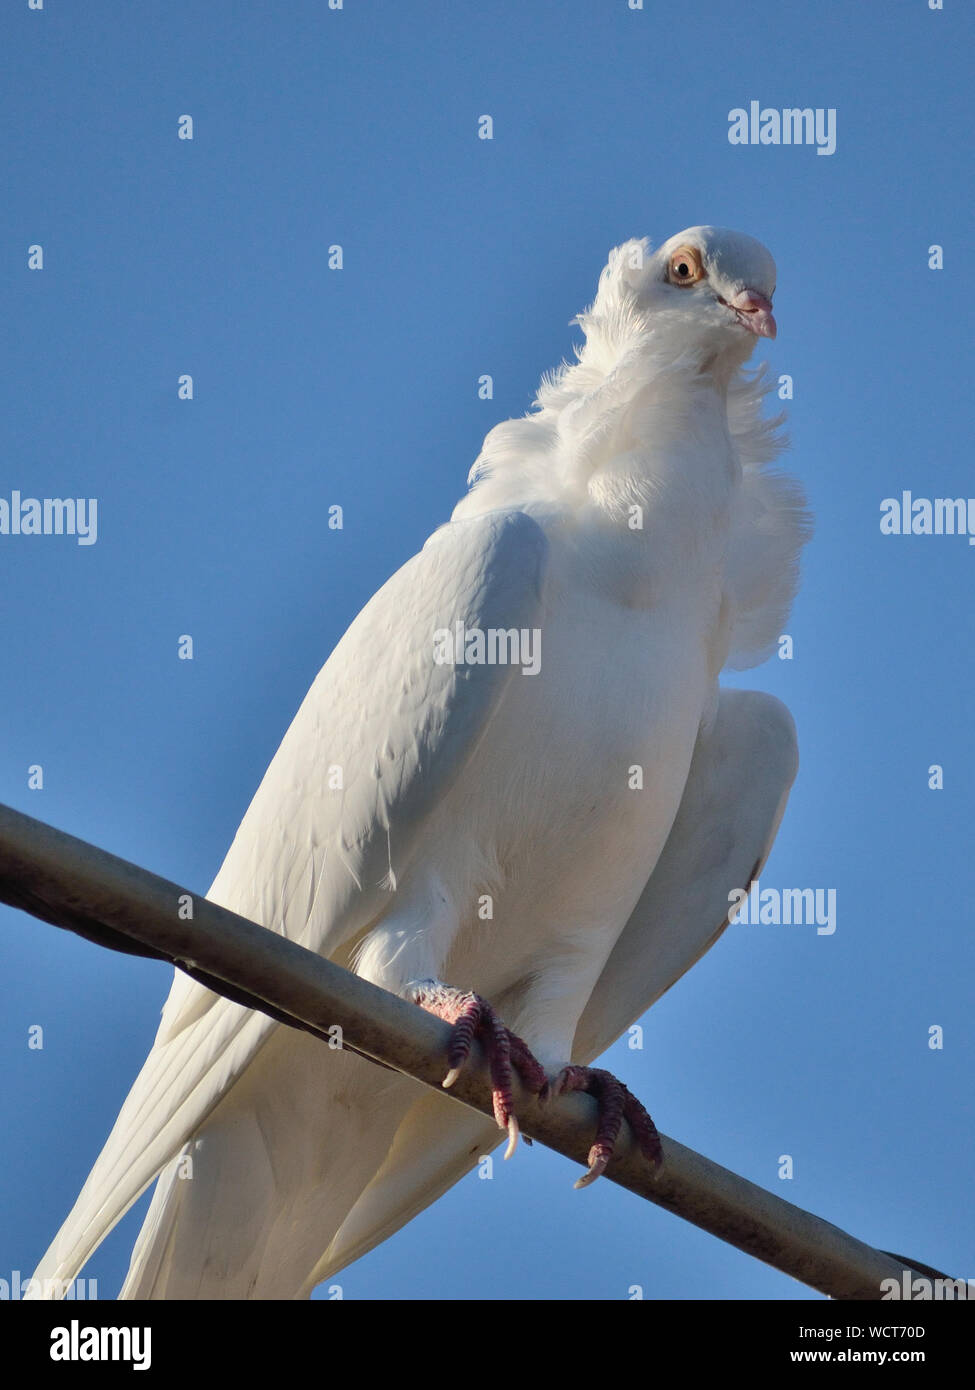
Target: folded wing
379 739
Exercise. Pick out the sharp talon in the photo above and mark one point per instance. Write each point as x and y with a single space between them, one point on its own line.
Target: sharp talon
597 1168
472 1019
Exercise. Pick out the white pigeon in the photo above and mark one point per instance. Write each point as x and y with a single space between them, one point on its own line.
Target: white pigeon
515 774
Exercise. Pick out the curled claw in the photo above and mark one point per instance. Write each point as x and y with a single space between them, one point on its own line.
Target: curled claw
598 1163
473 1017
614 1104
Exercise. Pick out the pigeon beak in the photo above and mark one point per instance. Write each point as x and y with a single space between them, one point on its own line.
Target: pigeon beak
754 311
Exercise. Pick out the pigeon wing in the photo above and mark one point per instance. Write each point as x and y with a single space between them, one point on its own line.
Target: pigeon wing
377 742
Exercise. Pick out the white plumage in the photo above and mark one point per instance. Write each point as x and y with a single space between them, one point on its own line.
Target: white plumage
632 520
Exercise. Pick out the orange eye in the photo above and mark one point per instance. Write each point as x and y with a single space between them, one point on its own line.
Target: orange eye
685 267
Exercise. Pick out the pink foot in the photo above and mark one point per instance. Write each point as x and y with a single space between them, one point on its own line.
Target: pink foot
473 1017
615 1104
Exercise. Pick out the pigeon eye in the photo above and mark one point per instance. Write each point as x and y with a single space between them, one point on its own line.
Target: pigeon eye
685 267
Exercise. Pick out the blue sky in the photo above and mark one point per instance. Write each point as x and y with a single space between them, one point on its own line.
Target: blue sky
358 387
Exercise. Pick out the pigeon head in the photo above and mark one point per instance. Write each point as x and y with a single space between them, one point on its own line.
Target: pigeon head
721 279
707 290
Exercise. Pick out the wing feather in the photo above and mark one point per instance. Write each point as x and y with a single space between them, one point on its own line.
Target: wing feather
380 737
